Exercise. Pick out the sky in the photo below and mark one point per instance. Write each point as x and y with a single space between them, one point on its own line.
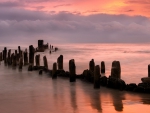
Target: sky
75 21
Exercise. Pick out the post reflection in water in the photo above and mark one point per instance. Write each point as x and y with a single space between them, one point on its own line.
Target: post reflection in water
93 96
27 92
73 97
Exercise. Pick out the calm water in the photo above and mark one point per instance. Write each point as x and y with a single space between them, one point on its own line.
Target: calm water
27 92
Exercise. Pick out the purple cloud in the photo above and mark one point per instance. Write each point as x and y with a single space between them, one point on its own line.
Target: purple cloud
25 26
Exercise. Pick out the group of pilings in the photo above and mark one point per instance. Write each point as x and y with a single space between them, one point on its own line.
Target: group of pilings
93 74
15 58
20 58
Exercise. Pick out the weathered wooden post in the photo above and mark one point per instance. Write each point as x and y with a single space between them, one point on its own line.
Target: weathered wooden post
14 60
149 70
31 55
147 79
37 59
45 62
91 65
20 63
72 70
54 75
25 57
9 57
116 69
40 45
97 76
60 62
102 67
5 55
1 56
19 49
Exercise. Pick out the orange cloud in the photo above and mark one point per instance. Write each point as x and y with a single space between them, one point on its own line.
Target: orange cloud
128 7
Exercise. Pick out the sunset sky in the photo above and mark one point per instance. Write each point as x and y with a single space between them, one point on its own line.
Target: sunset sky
75 20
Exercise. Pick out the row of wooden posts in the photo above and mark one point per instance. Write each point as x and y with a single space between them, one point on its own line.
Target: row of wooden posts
20 57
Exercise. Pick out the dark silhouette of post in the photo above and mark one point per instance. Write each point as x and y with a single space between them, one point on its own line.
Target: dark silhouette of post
20 63
40 45
54 75
45 62
102 67
19 51
60 62
72 70
9 57
91 65
1 56
116 69
25 57
14 60
5 55
97 77
31 55
149 70
37 59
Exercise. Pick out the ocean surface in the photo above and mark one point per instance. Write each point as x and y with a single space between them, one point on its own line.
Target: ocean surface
28 92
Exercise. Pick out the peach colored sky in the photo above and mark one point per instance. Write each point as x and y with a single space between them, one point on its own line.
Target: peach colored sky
86 7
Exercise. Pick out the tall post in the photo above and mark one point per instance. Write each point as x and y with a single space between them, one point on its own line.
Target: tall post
54 75
9 57
31 55
72 70
91 65
20 63
40 45
97 76
1 56
25 57
45 62
37 59
102 67
5 55
149 70
116 69
60 62
19 50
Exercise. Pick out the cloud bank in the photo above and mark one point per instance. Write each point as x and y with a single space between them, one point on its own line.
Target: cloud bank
66 27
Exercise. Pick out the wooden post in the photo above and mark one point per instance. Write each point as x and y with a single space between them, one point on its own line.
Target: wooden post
97 76
45 62
20 63
5 55
116 69
60 62
72 70
1 56
91 65
102 67
40 45
149 70
9 57
37 59
25 57
19 50
54 75
14 60
31 55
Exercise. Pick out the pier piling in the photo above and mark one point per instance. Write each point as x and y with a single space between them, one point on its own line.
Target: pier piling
72 70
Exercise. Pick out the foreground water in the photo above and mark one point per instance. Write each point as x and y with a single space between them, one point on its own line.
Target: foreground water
27 92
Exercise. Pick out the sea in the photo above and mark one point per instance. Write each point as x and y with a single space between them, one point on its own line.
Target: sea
28 92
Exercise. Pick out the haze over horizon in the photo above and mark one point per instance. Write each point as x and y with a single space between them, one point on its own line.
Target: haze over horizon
75 21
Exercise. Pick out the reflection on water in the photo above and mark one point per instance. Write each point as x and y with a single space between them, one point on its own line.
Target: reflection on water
29 92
